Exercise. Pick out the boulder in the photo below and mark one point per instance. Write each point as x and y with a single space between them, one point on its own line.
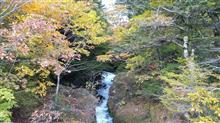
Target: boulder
127 106
70 106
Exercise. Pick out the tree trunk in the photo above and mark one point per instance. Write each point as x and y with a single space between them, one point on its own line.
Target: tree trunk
58 84
185 46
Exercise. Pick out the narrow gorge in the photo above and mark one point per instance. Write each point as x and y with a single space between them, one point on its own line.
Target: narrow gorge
109 61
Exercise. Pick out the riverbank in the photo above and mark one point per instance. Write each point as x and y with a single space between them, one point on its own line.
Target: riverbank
70 106
130 104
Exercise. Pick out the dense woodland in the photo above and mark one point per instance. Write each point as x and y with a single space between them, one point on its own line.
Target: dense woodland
170 47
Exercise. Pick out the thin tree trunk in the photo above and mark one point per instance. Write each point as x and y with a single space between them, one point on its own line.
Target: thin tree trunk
185 46
58 84
190 63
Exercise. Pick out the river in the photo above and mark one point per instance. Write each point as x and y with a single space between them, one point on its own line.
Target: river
102 113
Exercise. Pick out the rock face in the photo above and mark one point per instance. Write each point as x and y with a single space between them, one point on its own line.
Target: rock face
71 106
128 105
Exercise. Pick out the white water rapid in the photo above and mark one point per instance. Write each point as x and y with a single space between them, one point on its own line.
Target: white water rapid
102 113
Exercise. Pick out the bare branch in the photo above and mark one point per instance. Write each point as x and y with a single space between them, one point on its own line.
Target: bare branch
170 11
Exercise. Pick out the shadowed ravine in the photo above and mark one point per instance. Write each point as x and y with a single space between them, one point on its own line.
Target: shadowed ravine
102 112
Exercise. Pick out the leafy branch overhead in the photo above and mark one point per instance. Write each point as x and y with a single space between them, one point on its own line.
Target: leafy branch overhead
166 50
40 39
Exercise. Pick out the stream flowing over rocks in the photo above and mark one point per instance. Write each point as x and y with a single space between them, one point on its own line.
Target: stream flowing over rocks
102 114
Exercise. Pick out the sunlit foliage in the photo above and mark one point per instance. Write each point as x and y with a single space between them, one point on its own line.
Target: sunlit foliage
188 92
41 39
7 103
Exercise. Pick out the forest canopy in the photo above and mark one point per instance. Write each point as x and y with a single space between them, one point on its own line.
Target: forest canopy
170 47
40 39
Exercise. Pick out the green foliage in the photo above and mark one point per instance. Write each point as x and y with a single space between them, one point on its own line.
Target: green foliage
161 2
7 102
170 52
135 62
142 61
34 48
172 67
23 71
188 91
26 103
137 6
153 87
